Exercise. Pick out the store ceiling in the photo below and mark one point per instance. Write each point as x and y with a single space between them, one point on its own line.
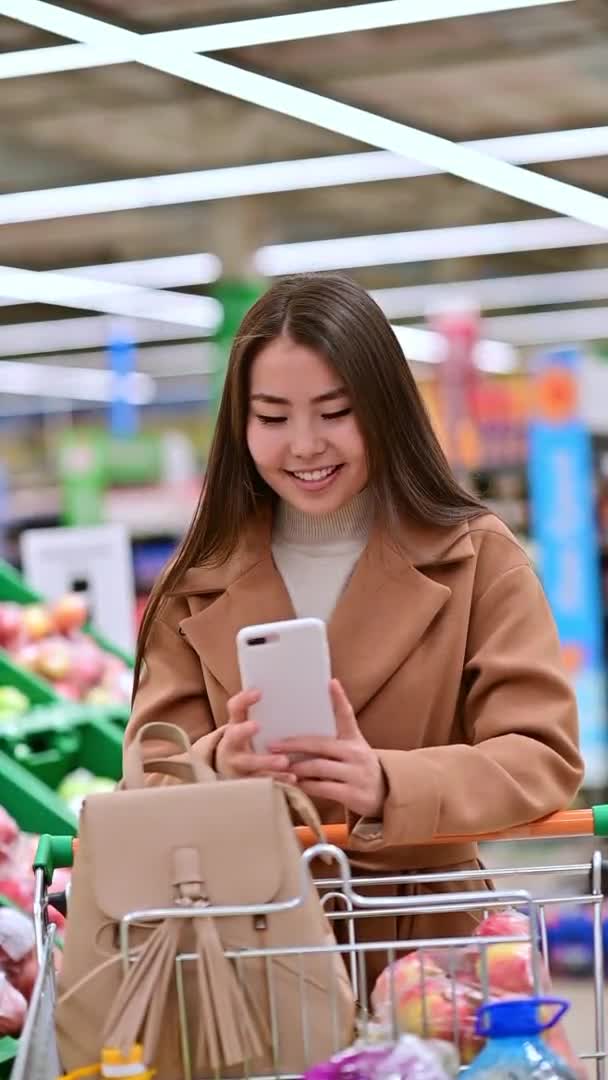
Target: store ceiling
542 69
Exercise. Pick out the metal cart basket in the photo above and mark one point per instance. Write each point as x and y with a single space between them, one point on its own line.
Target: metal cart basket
534 888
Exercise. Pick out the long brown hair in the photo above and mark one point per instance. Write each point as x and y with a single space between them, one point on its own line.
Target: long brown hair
410 478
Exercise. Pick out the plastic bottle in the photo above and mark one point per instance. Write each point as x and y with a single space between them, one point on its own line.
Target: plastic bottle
515 1049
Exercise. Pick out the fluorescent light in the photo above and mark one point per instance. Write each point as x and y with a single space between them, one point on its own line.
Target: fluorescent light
525 290
425 245
428 347
81 384
322 111
174 189
57 335
245 32
546 327
72 290
172 271
160 361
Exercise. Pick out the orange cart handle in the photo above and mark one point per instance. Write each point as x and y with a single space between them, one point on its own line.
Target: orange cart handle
56 851
565 823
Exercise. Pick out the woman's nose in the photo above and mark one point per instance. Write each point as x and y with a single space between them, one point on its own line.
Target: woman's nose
307 442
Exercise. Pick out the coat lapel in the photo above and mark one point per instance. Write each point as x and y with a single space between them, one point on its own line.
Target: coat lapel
381 616
383 613
257 596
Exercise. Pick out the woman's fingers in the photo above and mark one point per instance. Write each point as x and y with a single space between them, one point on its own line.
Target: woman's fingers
346 721
239 705
322 769
315 747
249 764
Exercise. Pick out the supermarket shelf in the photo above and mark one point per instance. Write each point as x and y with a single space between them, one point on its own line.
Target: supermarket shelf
153 511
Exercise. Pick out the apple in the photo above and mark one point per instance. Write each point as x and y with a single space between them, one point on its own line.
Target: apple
100 695
9 832
12 703
504 924
67 690
27 655
37 621
70 613
54 660
88 663
446 1011
13 1008
11 625
411 972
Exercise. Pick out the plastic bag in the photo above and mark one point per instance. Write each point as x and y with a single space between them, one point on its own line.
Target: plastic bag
13 1008
408 1059
436 993
18 950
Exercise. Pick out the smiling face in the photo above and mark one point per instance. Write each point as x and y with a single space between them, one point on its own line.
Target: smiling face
301 431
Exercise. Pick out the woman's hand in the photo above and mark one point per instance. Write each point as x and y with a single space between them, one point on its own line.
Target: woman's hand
345 769
235 757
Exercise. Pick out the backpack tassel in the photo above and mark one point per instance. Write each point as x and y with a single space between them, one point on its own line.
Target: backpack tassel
229 1033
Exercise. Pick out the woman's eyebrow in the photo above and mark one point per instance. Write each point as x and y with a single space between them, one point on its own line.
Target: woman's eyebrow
272 399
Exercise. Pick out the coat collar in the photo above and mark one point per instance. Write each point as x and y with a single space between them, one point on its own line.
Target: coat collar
383 613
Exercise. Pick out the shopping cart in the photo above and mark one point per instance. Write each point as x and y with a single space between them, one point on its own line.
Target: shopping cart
345 898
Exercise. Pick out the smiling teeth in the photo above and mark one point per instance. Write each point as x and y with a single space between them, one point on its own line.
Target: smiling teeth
317 474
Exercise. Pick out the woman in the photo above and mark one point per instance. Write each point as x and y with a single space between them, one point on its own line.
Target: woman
327 495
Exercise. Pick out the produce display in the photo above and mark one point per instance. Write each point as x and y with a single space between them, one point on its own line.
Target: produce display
80 783
49 641
437 993
17 851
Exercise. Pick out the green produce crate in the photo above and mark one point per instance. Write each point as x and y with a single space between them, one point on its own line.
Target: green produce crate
38 752
36 690
8 1051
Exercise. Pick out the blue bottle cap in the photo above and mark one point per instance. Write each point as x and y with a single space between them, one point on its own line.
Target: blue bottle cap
506 1019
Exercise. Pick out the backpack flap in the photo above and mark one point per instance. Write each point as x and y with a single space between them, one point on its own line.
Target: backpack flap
133 840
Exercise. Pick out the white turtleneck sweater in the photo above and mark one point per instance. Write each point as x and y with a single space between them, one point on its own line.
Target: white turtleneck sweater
316 553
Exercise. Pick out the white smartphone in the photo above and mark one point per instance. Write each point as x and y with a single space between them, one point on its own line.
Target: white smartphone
288 662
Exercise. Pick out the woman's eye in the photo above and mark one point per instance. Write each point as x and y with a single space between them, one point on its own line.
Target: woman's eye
271 419
337 415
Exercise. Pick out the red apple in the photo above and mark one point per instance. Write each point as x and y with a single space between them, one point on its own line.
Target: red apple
507 923
88 663
27 655
447 1012
37 621
67 690
70 613
13 1008
411 972
54 660
9 832
11 625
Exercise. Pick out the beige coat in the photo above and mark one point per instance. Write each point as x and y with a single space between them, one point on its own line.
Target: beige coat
449 655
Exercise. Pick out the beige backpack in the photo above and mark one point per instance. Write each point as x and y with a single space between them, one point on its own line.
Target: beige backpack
187 850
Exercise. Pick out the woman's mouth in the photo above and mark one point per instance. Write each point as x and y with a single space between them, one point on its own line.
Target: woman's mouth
315 479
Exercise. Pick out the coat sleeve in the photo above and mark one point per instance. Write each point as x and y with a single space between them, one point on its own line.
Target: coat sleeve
521 759
172 690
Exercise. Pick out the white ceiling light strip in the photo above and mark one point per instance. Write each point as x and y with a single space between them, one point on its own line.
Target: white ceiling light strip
79 384
171 361
425 245
67 290
301 174
524 290
545 327
173 271
246 32
322 111
428 347
88 332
